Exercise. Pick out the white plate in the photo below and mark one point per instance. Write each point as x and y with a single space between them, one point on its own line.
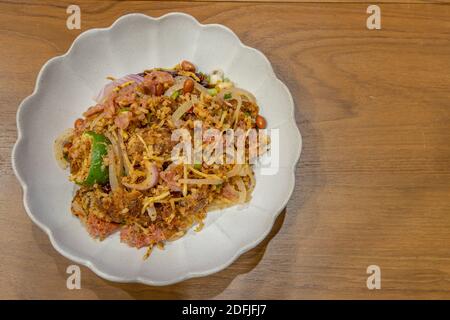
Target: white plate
64 89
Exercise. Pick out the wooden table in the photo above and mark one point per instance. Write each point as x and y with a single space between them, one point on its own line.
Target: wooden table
373 181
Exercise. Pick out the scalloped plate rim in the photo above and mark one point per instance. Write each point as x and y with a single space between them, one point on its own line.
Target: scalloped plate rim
139 279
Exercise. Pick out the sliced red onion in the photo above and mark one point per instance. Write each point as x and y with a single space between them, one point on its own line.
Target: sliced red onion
106 90
150 181
169 177
229 192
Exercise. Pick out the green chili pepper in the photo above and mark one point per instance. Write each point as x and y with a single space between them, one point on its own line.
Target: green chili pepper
98 172
175 95
212 92
227 96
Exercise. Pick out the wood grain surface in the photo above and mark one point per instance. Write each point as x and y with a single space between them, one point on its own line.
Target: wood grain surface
373 181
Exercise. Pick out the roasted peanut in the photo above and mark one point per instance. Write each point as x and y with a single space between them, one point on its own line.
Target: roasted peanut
187 66
78 124
261 122
188 86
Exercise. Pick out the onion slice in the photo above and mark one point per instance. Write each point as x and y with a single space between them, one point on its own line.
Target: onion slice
236 171
182 109
113 180
229 192
236 92
126 162
116 151
107 89
242 190
58 148
201 88
172 89
237 111
198 86
151 178
252 179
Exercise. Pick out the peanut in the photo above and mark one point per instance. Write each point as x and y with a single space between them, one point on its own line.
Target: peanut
187 66
261 122
188 86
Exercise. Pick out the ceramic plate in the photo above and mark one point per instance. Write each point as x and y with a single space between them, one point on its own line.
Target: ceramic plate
64 89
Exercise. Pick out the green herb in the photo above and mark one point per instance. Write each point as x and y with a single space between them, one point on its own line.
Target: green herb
212 92
124 110
197 166
175 95
227 96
